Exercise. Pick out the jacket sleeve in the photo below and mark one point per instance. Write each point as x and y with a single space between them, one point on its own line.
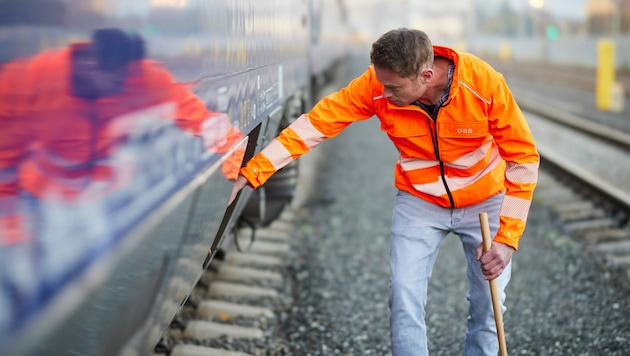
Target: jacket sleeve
516 146
14 140
192 115
327 119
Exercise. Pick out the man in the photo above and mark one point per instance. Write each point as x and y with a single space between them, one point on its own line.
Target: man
465 148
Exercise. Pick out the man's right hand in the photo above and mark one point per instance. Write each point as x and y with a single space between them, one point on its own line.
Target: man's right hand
238 185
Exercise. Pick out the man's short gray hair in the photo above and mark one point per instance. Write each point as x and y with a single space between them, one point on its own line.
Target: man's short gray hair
403 51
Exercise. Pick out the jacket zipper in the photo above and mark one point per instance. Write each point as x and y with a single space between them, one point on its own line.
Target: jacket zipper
436 149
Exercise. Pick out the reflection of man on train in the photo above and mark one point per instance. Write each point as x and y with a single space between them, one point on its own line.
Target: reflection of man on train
66 115
66 111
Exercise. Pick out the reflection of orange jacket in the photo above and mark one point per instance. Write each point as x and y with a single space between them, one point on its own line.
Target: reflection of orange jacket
65 136
479 145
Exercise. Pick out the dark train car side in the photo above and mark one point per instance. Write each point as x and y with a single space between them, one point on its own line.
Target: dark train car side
124 123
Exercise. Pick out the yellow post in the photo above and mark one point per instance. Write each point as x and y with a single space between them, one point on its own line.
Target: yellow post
460 46
605 74
505 51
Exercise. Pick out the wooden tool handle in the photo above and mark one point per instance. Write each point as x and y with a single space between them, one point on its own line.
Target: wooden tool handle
485 231
494 292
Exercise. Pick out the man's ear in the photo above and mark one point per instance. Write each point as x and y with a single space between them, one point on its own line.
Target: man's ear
426 75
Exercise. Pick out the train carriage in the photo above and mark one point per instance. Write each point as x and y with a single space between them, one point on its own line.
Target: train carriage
130 197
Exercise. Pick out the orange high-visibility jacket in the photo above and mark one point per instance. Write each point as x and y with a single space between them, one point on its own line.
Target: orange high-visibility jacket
51 139
478 146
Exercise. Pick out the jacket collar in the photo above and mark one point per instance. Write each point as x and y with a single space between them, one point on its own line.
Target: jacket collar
451 54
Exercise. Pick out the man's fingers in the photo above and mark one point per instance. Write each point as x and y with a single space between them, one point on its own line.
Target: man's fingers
493 269
494 261
479 251
238 185
493 272
492 265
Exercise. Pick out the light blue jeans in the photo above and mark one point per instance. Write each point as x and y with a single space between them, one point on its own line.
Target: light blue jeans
418 228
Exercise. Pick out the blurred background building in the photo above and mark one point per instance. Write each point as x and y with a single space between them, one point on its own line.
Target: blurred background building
562 31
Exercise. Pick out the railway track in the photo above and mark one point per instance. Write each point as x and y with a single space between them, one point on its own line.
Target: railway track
575 77
235 308
590 204
585 157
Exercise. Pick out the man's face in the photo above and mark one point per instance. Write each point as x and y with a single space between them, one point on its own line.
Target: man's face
90 78
109 83
400 91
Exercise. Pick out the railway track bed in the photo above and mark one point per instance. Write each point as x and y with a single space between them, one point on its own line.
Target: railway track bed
589 199
237 305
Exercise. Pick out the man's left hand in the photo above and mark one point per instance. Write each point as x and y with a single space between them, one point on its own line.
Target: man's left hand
495 260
